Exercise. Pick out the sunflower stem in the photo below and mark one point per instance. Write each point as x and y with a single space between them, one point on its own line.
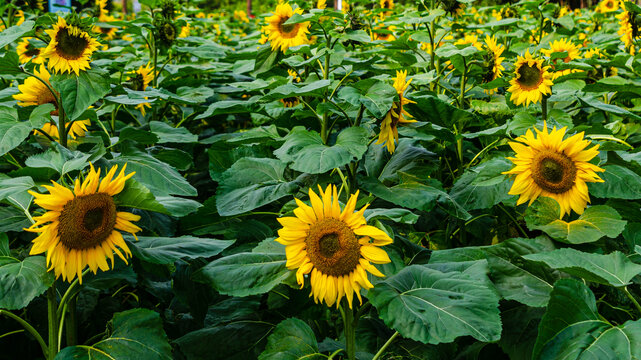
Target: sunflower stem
29 328
544 107
350 332
634 301
72 323
385 346
53 321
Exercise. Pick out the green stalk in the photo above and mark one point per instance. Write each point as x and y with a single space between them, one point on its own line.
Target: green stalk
634 301
384 347
544 107
350 333
53 322
324 128
461 100
29 328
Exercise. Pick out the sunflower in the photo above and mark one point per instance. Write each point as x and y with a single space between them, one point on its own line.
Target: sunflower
108 32
493 61
294 75
628 30
386 35
80 226
336 247
290 102
594 53
606 6
547 165
396 115
241 16
141 78
102 8
561 46
184 31
33 93
27 51
531 80
470 39
321 4
454 7
285 36
70 48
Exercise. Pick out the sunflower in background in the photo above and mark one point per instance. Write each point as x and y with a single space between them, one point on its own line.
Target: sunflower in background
139 81
294 75
531 80
103 16
396 115
470 39
70 48
27 51
337 248
241 16
492 62
290 102
321 4
547 165
80 227
607 6
285 36
560 46
628 30
33 93
454 7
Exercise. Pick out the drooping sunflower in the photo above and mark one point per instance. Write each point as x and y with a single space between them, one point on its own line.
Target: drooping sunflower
493 62
28 51
607 6
397 115
531 80
80 227
33 93
547 165
336 247
628 30
70 48
285 36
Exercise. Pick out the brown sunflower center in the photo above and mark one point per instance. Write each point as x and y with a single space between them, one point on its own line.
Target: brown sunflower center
553 172
137 82
288 31
87 221
32 51
529 76
71 45
45 97
332 247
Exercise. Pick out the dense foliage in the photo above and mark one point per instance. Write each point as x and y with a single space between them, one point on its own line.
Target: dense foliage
426 180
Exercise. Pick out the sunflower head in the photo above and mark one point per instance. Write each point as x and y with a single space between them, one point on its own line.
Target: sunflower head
70 48
168 9
290 102
283 36
492 60
321 4
28 51
509 11
35 4
548 165
454 7
80 226
531 80
337 248
606 6
561 46
141 78
397 115
167 32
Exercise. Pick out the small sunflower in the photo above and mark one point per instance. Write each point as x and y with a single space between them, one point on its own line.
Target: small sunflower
531 80
184 31
561 46
33 93
547 165
294 75
28 51
80 227
241 16
454 7
385 34
285 36
470 39
141 78
397 114
108 32
607 6
594 53
493 61
336 247
167 32
70 48
290 102
321 4
628 30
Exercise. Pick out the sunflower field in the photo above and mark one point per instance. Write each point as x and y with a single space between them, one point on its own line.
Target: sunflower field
425 179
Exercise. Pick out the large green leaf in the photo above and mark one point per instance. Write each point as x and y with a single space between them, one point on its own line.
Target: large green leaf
316 88
137 196
307 153
22 281
377 96
60 159
170 134
433 110
415 195
13 33
251 183
134 334
612 269
158 177
292 339
618 182
595 222
573 329
79 92
12 131
245 274
432 306
164 250
483 186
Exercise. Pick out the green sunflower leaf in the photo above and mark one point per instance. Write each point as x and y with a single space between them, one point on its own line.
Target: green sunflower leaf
79 92
572 328
22 281
292 339
595 222
165 250
618 183
136 333
434 306
12 131
612 269
13 33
